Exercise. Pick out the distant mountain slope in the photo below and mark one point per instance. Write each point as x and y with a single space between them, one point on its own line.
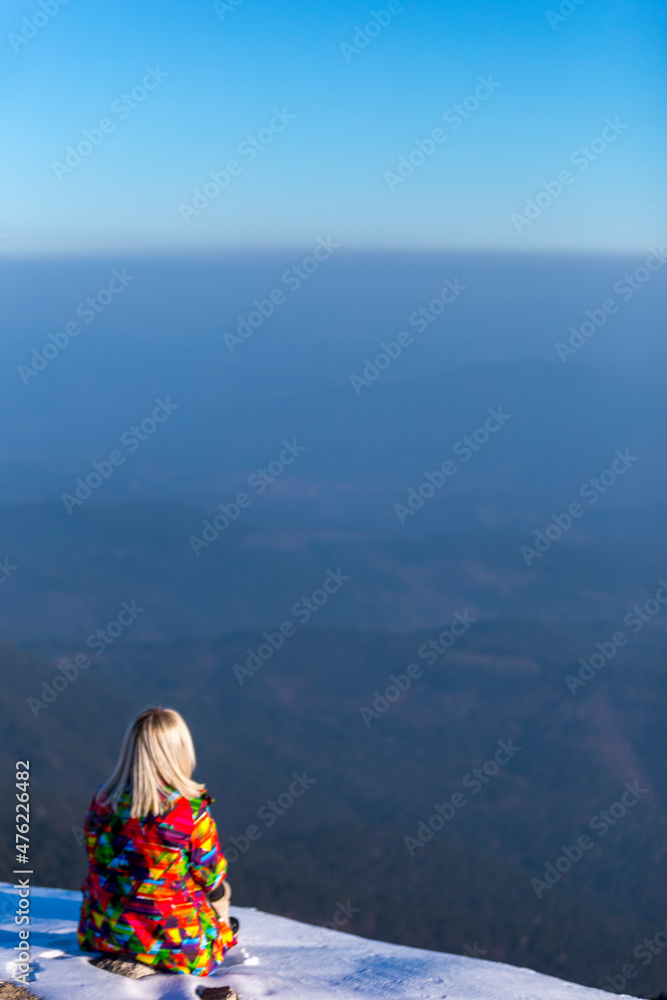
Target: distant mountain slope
282 958
494 346
73 573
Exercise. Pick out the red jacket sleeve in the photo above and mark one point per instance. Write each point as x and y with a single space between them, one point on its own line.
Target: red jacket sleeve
208 864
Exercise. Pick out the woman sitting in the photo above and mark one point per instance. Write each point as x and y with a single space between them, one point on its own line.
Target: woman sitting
154 890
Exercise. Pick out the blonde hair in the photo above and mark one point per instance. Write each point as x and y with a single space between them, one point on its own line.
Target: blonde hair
157 755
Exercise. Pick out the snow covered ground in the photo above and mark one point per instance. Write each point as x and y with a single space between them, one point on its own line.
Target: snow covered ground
275 958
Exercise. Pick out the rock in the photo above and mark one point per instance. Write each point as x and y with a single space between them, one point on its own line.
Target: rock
217 993
10 991
121 967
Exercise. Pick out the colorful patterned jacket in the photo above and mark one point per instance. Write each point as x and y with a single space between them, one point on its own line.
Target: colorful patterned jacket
145 892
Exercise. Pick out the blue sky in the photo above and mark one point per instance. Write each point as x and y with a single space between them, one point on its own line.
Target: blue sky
355 116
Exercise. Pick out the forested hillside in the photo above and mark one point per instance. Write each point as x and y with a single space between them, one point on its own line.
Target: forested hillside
367 781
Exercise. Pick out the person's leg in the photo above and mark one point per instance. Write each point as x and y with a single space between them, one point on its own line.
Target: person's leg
220 899
223 891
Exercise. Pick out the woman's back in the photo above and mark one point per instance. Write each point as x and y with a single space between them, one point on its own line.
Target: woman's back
145 895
